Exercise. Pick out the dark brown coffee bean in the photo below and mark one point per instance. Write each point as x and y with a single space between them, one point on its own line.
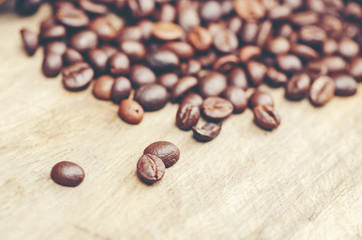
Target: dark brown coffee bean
98 59
167 13
216 109
225 63
152 96
109 50
104 28
260 98
163 60
348 48
276 78
193 98
312 34
181 49
150 168
265 33
192 67
141 75
166 151
30 41
77 76
226 41
289 63
335 63
200 38
146 27
237 77
103 87
67 174
167 31
304 18
52 64
119 64
121 89
316 68
187 116
322 90
237 97
249 52
305 52
168 80
72 56
56 47
92 7
207 132
256 71
279 45
141 8
72 17
249 32
53 32
212 84
207 59
235 24
133 49
182 87
84 41
227 7
355 68
27 7
298 86
211 11
280 12
251 11
330 46
345 85
130 111
266 117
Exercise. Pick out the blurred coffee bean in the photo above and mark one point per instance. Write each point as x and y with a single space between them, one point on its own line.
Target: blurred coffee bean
146 27
141 8
72 56
56 47
249 52
182 87
330 46
167 31
289 63
103 87
152 96
279 45
200 38
163 60
187 116
119 64
109 50
30 41
304 18
298 86
168 80
312 34
225 63
193 98
265 33
104 28
167 13
348 48
211 11
212 84
322 90
276 78
121 89
27 7
226 41
84 41
72 17
192 67
141 75
207 59
256 71
52 64
53 32
249 32
280 12
235 24
237 97
181 49
345 85
92 7
260 98
305 52
355 68
335 63
237 77
188 16
133 49
251 11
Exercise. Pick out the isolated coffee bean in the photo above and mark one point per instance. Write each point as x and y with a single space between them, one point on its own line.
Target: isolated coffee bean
67 174
298 86
276 78
237 77
52 64
187 116
216 109
181 49
207 132
150 168
30 41
72 56
56 47
355 68
133 49
141 75
345 85
99 60
200 38
168 80
260 98
27 7
237 97
289 63
305 52
77 76
103 87
141 8
166 151
72 17
251 11
266 117
212 84
249 52
256 71
121 89
167 31
225 63
322 90
119 64
152 96
182 87
193 98
163 60
130 111
84 41
348 48
279 45
226 41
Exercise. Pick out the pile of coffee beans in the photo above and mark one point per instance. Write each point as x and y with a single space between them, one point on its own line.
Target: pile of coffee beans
201 54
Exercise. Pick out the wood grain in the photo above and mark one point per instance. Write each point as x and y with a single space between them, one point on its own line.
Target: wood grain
301 181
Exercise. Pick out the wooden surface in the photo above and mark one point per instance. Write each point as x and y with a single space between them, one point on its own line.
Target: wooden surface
301 181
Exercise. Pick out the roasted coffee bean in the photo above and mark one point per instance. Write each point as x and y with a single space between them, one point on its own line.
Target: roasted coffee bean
348 48
56 47
167 31
52 64
133 49
251 11
276 78
332 25
150 168
119 64
166 151
285 30
30 41
200 38
133 33
92 7
335 63
226 41
280 12
104 28
27 7
345 85
312 34
167 13
304 18
225 63
266 117
322 90
163 60
72 56
67 174
121 89
330 46
211 11
109 50
77 76
192 67
193 98
237 97
295 4
316 68
289 63
249 52
216 109
181 49
141 75
260 98
187 116
235 24
305 52
216 28
53 32
265 33
47 23
72 17
237 77
130 111
98 59
103 87
207 59
141 8
84 41
207 132
188 16
152 96
182 87
168 80
146 27
249 32
212 84
256 71
355 68
298 86
279 45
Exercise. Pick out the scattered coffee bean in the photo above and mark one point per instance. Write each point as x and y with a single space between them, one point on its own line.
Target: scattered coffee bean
226 41
251 11
279 45
207 132
52 64
163 61
67 174
92 7
335 63
348 48
249 52
53 32
237 97
121 89
72 17
256 71
275 77
182 87
305 52
30 41
260 98
216 109
322 90
298 86
345 85
135 50
77 76
200 38
130 111
56 47
166 151
289 63
193 98
103 87
181 49
187 116
152 96
266 117
150 168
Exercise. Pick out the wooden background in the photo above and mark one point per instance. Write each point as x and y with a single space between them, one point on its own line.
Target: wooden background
301 181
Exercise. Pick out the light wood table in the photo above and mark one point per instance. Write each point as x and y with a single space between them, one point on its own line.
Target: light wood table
301 181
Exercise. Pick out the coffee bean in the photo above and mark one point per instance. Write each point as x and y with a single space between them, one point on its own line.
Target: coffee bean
322 90
30 41
225 63
52 64
92 7
168 80
188 16
260 98
167 13
237 77
285 30
279 45
251 11
150 168
193 98
119 64
98 59
226 41
56 47
103 87
141 8
345 85
64 5
163 60
182 87
181 49
332 25
53 32
235 24
249 32
305 52
249 52
312 34
355 68
27 7
304 18
133 33
266 117
84 41
47 23
348 48
276 78
289 63
207 132
146 27
298 86
72 56
67 174
192 67
141 75
211 11
237 97
207 59
130 111
77 76
152 96
166 151
167 31
187 116
265 33
121 89
104 28
256 71
212 84
330 46
200 38
280 12
335 63
216 109
133 49
72 17
109 50
216 28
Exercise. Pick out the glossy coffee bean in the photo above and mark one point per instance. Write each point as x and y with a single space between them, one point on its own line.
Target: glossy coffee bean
279 45
30 41
181 49
84 41
355 68
298 86
133 49
216 109
226 41
207 132
237 97
249 52
251 11
167 31
266 117
166 151
237 77
260 98
130 111
348 48
305 52
225 63
193 98
182 87
211 11
200 38
56 47
150 168
119 64
141 75
77 76
99 60
152 96
72 56
168 80
72 17
121 89
212 84
103 87
163 60
52 64
67 174
276 78
322 90
345 85
27 7
187 116
289 63
53 32
141 8
256 71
